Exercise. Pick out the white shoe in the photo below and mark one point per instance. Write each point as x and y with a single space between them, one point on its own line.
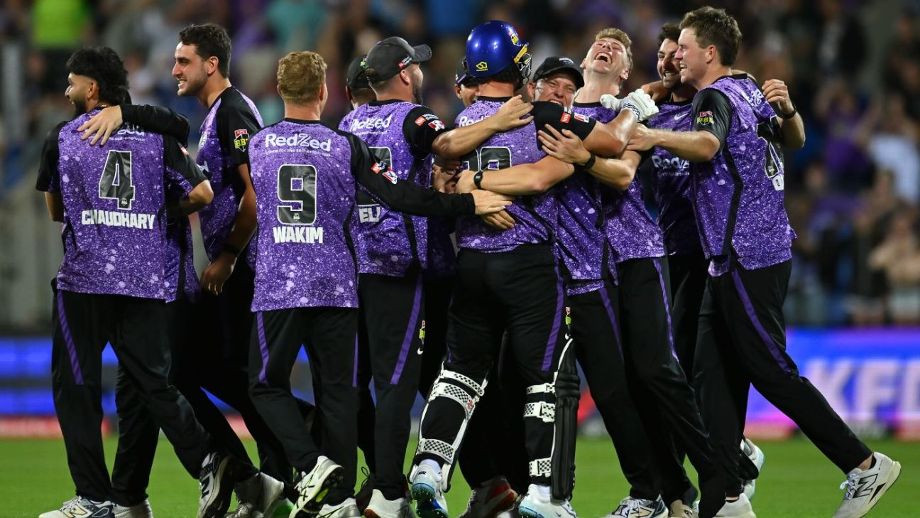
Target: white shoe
258 496
315 485
757 457
79 507
348 508
425 486
740 508
141 510
491 499
537 505
380 507
640 508
215 484
864 487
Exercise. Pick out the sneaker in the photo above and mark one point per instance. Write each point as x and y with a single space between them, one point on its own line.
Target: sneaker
426 491
141 510
491 499
537 505
640 508
215 479
257 496
363 496
79 507
348 508
740 508
864 487
313 487
678 509
757 458
380 507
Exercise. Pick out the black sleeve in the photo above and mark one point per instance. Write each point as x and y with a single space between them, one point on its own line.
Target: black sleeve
157 119
235 126
420 128
546 113
177 159
48 168
712 112
406 197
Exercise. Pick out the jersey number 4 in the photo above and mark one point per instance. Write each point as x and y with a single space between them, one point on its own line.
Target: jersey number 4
115 182
297 188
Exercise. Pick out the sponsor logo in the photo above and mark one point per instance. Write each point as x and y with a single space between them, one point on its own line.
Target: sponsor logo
566 118
482 66
434 122
371 123
377 167
679 116
704 119
582 118
390 176
241 139
421 120
406 61
298 140
674 166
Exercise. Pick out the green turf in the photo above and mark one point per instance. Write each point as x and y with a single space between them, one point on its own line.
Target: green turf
797 481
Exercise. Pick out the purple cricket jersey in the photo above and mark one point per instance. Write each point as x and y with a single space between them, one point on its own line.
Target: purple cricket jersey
671 180
738 195
388 242
535 216
225 132
305 194
114 210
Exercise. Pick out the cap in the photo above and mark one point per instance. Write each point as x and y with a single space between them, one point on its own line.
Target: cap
393 54
555 64
355 78
462 74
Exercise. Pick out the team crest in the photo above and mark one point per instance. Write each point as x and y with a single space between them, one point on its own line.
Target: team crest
704 119
482 66
240 139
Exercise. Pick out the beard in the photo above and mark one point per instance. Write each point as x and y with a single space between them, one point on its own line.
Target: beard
79 107
192 87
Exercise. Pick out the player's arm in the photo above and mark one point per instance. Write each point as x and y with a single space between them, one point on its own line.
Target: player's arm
48 180
567 147
790 121
153 118
183 173
712 113
463 140
519 180
385 187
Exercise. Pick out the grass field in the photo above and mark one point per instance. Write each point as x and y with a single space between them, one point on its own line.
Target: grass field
797 481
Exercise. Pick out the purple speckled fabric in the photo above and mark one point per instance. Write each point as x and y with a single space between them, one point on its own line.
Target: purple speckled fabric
535 216
738 196
115 237
305 192
671 178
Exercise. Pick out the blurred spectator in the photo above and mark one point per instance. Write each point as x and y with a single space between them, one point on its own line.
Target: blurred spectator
890 139
898 256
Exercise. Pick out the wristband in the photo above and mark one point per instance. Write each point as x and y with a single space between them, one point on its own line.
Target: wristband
787 116
589 163
477 179
232 250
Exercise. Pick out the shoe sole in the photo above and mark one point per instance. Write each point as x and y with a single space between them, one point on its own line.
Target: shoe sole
896 469
219 505
314 502
426 505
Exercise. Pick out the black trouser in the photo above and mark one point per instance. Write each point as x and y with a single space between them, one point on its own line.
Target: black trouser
742 341
666 401
136 329
393 312
518 291
330 337
599 351
688 276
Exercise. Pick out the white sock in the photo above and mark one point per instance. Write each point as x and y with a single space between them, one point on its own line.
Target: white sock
543 491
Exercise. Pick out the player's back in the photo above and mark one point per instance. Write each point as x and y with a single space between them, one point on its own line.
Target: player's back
114 217
535 216
305 193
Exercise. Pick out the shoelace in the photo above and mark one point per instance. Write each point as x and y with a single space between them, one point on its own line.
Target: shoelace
850 485
70 505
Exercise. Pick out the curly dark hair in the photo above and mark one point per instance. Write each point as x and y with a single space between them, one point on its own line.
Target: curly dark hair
669 31
715 27
104 66
209 40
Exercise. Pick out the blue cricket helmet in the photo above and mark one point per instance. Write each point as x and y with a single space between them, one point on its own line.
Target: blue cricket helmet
494 46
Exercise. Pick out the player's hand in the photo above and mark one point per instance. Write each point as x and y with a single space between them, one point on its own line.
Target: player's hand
656 90
512 114
639 103
641 140
465 182
565 146
442 179
217 273
488 202
102 125
611 102
500 220
777 94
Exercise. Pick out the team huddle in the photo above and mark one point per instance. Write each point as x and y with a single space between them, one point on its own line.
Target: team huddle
478 264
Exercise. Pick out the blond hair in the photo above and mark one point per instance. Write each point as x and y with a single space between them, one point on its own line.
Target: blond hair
301 75
616 34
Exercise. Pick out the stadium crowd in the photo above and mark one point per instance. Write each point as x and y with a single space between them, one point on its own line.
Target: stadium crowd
852 191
